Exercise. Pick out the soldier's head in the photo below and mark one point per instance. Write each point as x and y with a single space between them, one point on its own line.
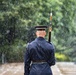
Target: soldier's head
40 31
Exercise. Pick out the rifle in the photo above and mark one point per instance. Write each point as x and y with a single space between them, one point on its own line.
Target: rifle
50 28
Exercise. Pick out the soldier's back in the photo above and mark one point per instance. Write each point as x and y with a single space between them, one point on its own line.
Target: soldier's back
40 51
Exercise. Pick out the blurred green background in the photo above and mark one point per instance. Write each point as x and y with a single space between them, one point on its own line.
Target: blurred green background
17 21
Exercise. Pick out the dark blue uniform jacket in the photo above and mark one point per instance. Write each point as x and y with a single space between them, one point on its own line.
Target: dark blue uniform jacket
39 49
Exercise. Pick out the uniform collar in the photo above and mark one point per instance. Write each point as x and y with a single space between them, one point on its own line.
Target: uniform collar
40 38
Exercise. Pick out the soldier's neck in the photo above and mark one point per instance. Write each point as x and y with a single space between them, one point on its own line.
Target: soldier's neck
41 36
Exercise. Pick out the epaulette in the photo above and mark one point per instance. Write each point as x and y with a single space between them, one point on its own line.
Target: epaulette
49 42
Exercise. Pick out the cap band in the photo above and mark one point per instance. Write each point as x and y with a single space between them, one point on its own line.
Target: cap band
41 27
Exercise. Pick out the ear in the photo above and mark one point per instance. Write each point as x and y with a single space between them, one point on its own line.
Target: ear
45 32
36 33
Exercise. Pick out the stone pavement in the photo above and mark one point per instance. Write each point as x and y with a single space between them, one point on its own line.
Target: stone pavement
67 68
12 69
56 70
60 68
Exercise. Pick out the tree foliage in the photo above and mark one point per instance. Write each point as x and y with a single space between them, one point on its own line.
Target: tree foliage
18 17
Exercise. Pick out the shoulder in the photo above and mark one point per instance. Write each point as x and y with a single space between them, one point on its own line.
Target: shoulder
30 44
51 44
27 45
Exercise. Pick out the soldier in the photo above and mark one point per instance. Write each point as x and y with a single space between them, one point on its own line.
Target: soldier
39 56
